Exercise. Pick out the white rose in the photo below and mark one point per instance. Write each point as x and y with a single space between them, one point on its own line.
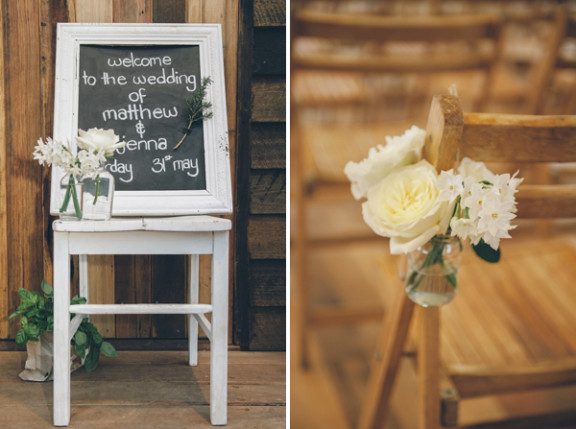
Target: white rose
97 139
405 207
399 151
476 170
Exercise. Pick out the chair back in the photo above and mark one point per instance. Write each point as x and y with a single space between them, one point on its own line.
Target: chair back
524 139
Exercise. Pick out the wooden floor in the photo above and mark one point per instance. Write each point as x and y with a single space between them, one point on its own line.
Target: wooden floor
150 389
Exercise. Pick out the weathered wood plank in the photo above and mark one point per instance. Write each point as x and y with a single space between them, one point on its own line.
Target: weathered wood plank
268 145
169 10
51 12
269 51
5 303
267 237
268 283
169 280
132 11
101 280
22 130
269 99
268 191
242 188
268 328
92 10
269 13
151 389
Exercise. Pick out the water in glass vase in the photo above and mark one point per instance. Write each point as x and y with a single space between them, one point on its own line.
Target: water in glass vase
432 271
98 196
433 290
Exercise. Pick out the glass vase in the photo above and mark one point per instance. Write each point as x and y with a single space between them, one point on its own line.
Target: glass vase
432 271
70 197
98 196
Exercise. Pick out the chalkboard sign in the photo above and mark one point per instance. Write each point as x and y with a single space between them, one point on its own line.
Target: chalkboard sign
136 79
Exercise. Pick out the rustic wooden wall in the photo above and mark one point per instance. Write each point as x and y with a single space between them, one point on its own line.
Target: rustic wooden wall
261 195
27 44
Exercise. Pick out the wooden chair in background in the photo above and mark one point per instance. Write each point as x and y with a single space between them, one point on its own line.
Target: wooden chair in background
511 328
346 59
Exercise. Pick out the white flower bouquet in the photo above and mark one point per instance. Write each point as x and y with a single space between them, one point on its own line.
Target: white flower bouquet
95 146
408 201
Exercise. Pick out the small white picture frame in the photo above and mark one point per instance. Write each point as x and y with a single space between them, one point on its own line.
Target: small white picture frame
213 194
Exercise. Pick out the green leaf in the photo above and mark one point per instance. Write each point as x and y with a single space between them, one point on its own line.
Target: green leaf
80 350
32 331
78 300
484 251
91 362
26 297
46 288
108 349
21 337
80 338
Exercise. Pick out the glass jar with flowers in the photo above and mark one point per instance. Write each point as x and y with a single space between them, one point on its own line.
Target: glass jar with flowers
426 214
99 184
87 162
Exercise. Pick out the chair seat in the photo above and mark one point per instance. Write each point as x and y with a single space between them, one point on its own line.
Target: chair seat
180 223
523 316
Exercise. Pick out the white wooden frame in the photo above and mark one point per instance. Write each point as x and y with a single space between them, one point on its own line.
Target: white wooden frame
217 198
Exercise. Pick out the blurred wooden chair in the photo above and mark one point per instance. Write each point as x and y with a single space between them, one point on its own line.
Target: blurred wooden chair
360 62
511 328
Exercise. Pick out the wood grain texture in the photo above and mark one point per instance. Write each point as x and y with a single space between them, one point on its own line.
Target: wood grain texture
267 237
151 389
101 280
443 132
268 283
5 303
269 100
51 12
519 138
132 11
269 13
268 328
268 192
312 23
384 368
269 47
23 128
429 368
169 11
268 146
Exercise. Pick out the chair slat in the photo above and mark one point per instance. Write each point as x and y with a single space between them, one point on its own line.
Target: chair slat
519 138
384 28
546 201
436 63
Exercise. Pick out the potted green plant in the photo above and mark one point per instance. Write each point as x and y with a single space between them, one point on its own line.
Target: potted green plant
36 313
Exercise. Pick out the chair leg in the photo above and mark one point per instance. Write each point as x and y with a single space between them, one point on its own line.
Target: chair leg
83 277
61 330
429 368
394 332
192 322
219 346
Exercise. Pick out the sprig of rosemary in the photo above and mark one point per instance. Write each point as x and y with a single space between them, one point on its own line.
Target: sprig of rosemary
198 108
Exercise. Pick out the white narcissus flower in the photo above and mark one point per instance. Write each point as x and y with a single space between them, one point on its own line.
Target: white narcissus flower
476 170
382 160
465 228
97 139
450 185
405 207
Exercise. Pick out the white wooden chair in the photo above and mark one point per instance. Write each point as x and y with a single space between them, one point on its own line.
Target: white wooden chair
188 235
192 232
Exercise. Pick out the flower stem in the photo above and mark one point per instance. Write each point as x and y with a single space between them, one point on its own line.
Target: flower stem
67 195
97 190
